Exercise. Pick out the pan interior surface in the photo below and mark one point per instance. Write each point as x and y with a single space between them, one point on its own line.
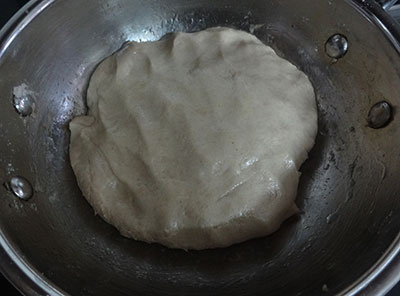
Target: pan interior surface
348 192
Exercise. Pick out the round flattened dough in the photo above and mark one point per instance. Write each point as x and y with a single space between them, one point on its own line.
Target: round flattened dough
194 142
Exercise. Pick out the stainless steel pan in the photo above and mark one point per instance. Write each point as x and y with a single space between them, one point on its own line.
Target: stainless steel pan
344 242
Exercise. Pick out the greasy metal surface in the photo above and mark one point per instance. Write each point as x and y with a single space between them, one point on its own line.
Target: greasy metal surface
349 188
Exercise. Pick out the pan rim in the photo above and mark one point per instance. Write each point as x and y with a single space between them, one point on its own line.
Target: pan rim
378 280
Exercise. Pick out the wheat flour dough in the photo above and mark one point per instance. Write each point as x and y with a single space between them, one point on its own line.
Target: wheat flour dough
194 141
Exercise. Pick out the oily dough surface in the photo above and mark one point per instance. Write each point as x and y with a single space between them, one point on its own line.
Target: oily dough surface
194 141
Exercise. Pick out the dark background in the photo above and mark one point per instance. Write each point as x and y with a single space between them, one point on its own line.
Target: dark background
7 9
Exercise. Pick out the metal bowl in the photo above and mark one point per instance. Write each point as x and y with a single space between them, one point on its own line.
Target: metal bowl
344 242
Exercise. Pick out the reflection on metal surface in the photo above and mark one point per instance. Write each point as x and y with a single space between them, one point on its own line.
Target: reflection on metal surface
21 188
386 4
23 100
395 12
336 46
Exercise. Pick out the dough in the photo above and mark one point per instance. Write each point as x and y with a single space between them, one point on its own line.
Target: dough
194 142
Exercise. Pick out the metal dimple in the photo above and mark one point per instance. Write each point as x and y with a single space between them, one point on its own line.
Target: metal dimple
24 104
380 115
337 46
20 187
